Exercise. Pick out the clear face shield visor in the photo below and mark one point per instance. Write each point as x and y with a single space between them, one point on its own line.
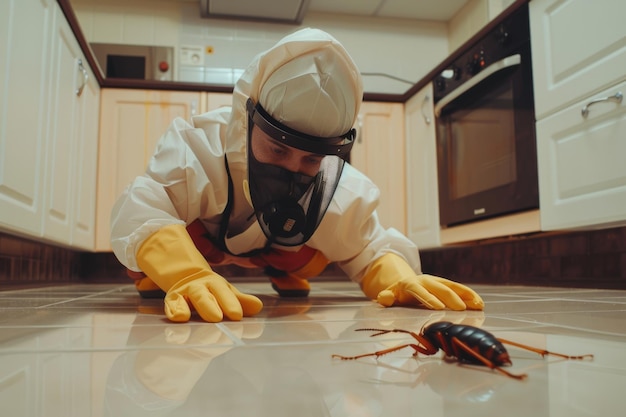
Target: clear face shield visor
289 206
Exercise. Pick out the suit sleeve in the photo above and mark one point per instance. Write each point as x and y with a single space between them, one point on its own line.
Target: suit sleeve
185 178
351 233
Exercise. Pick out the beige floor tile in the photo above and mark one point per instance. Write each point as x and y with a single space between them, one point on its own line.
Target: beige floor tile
100 350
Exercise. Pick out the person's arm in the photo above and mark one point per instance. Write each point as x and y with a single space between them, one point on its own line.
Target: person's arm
183 179
384 262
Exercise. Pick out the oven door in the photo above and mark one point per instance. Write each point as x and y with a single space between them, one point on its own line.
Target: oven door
486 150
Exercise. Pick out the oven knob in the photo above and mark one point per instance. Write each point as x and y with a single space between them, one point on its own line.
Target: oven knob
457 73
440 84
502 35
477 63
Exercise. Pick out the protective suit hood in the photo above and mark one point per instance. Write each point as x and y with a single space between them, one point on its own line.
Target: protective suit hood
307 81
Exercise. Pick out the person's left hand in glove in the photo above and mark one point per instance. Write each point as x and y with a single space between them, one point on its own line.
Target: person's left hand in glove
391 281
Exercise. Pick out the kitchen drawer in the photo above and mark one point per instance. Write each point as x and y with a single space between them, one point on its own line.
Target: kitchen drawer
578 49
582 175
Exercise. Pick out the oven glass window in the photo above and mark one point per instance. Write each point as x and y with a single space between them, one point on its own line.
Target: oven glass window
482 145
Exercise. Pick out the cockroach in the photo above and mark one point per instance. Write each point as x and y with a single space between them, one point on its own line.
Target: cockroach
464 343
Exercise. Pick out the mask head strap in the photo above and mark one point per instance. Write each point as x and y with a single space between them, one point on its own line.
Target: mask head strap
338 145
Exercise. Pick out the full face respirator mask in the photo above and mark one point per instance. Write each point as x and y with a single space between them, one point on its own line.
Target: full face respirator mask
289 206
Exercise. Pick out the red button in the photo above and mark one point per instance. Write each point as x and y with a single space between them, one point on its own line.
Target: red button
164 66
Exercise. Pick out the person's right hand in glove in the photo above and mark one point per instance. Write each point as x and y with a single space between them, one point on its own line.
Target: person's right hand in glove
170 258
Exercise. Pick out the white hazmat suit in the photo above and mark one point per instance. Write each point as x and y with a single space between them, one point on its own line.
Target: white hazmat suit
308 82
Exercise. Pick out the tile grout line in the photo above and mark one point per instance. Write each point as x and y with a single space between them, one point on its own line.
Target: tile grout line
77 298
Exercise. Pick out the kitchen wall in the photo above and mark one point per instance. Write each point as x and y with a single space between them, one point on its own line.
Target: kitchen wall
471 18
403 48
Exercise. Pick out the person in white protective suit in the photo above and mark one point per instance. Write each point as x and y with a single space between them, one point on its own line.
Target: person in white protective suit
264 184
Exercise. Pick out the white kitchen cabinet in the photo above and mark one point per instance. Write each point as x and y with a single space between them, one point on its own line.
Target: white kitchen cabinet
578 49
71 147
421 170
579 61
131 123
582 175
379 152
48 135
25 40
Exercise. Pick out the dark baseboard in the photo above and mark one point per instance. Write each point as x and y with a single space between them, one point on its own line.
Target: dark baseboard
588 259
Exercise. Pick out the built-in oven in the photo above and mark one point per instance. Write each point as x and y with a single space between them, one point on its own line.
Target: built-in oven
485 124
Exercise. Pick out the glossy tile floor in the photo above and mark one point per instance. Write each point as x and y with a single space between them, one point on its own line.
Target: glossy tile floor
100 350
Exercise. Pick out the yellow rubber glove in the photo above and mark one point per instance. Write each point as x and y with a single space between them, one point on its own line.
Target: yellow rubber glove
391 281
170 258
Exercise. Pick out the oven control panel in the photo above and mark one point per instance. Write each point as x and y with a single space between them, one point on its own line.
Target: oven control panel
502 41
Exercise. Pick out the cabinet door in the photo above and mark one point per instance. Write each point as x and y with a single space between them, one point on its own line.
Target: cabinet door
379 154
25 27
61 150
582 175
131 123
421 170
578 49
86 164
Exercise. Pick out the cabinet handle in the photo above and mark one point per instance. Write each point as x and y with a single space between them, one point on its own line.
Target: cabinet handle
617 97
424 115
79 90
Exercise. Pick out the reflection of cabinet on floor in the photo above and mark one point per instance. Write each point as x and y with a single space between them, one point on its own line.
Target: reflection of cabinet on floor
132 121
47 369
379 153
